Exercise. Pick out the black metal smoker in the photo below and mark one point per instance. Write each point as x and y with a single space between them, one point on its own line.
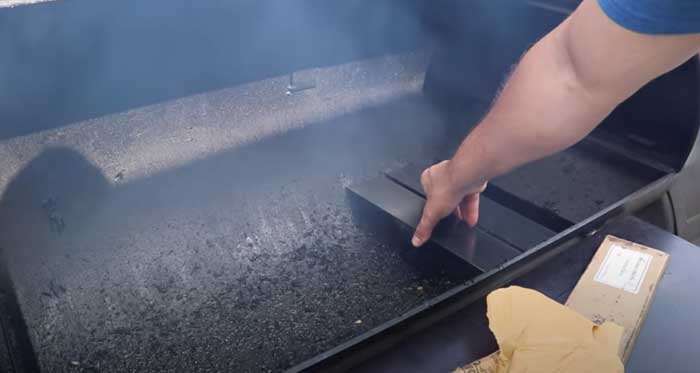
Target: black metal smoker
174 177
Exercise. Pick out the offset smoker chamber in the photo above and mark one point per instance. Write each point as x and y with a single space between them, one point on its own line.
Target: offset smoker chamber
174 199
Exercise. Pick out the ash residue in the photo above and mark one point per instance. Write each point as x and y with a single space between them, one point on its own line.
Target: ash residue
243 302
249 261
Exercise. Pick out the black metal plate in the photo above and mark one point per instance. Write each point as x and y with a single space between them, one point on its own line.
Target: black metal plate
494 218
474 246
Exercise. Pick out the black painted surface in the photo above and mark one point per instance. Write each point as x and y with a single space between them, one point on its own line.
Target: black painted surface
667 341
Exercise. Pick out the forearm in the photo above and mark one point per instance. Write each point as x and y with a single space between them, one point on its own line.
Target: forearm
562 89
543 108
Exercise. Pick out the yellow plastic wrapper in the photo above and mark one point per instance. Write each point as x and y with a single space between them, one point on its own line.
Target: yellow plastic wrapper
537 334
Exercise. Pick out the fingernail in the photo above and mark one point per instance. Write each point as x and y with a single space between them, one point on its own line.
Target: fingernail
416 241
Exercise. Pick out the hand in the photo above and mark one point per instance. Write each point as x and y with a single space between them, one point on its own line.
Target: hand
444 198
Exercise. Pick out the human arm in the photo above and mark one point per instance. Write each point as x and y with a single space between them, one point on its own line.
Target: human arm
563 87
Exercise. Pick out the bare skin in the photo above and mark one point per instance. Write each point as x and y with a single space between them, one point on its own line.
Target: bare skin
563 87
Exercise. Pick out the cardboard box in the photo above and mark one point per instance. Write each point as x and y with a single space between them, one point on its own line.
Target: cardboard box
618 286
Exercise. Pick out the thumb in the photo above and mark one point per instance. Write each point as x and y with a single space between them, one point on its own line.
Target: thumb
425 227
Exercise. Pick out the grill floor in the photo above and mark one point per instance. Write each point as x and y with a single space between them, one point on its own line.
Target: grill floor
245 261
574 184
248 260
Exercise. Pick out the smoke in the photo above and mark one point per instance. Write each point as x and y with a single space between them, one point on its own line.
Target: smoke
67 61
145 141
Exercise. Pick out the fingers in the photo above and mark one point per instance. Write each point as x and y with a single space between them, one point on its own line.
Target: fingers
426 224
441 201
467 211
469 208
425 227
458 213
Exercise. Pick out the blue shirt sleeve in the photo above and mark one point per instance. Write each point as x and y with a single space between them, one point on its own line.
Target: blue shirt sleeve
655 16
